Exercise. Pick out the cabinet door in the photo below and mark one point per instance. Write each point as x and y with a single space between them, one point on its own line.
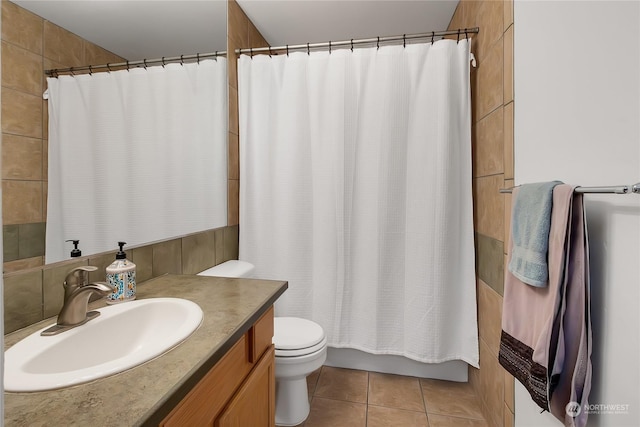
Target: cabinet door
254 403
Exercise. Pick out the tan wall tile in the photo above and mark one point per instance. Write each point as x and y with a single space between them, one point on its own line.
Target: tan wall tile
457 20
491 386
508 65
231 237
21 27
233 216
490 81
488 144
232 63
219 240
167 257
63 46
508 13
21 69
21 158
96 55
22 300
489 206
509 391
508 141
45 195
489 316
233 111
142 257
234 156
509 417
238 24
21 113
507 214
198 252
470 13
21 202
53 290
23 264
490 262
45 160
489 19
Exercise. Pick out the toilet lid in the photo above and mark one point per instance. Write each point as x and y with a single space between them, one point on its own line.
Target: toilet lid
292 334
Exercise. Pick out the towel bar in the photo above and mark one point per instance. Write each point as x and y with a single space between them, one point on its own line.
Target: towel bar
620 189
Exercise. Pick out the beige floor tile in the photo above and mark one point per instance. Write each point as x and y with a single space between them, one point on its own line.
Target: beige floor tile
342 384
336 413
379 416
451 398
394 391
445 421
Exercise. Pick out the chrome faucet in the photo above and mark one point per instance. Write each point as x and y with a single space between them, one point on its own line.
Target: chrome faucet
77 291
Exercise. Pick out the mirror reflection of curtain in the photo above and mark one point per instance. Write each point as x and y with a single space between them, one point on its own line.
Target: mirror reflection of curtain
356 188
136 155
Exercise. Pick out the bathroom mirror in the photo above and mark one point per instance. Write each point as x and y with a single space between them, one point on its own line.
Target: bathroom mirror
39 35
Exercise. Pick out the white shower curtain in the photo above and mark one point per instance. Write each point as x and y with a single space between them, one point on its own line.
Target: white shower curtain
356 188
136 155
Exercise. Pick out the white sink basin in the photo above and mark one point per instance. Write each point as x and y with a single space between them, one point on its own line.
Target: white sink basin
123 336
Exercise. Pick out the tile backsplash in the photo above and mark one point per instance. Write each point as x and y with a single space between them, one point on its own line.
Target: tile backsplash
37 293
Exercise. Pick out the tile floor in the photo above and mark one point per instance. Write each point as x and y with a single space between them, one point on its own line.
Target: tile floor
351 398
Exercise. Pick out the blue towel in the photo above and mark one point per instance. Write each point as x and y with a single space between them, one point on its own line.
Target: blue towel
530 224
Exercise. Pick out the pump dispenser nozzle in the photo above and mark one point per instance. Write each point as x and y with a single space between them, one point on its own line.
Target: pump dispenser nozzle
121 254
75 252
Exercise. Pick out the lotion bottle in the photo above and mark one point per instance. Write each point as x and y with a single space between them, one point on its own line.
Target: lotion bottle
121 274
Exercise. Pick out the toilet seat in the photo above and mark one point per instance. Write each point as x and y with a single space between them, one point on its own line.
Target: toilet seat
294 337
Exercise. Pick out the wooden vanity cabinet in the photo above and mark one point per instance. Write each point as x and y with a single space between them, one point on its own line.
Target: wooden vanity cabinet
239 390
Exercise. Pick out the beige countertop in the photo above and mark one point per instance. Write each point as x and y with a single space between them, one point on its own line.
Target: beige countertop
144 395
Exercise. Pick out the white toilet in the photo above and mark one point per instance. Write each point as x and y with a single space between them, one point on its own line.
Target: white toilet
301 348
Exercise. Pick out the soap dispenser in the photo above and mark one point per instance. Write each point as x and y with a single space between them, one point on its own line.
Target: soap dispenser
121 274
75 252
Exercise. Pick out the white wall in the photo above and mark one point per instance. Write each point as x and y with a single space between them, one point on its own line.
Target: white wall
577 119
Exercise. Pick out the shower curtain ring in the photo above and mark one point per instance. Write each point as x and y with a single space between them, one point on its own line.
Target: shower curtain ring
181 59
466 36
404 40
127 65
251 52
308 53
287 50
108 67
90 71
329 47
433 34
458 36
216 56
197 58
378 44
163 63
144 61
269 51
71 71
351 45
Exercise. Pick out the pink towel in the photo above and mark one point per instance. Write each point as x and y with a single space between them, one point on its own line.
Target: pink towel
546 332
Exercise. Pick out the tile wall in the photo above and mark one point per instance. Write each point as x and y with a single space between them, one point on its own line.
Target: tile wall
492 140
241 33
37 293
30 45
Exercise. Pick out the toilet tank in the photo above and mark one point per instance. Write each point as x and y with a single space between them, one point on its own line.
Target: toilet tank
232 268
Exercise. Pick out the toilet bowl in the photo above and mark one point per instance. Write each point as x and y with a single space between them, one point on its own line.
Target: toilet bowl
300 347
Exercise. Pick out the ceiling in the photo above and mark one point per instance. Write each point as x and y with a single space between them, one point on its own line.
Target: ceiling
138 29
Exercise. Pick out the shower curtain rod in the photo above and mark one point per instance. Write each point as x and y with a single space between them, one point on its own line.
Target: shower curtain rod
129 64
377 40
620 189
